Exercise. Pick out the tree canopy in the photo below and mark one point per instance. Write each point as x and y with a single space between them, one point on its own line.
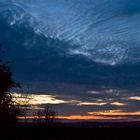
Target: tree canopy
8 110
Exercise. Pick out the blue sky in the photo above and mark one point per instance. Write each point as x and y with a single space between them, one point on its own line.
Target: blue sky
77 51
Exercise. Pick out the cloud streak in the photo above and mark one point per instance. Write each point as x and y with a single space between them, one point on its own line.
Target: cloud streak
82 108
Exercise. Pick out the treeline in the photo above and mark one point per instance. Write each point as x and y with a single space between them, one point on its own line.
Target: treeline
45 116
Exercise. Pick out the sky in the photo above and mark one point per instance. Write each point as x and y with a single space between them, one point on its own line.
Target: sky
82 57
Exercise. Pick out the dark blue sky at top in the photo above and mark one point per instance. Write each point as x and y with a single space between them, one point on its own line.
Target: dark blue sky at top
70 47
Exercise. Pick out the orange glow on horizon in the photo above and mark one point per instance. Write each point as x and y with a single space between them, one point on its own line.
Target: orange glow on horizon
87 117
105 115
75 117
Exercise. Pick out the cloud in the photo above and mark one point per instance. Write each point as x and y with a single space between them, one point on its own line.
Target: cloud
137 98
118 103
114 113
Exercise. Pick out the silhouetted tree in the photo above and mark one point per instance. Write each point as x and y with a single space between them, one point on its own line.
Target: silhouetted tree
50 115
24 108
45 117
8 110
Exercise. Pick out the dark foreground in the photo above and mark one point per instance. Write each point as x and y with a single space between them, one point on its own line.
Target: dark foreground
69 133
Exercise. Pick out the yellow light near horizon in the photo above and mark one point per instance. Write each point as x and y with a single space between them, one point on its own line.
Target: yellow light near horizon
36 99
118 103
134 98
92 104
114 113
45 99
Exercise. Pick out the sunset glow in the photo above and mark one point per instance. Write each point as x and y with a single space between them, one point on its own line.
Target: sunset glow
92 104
134 98
114 113
118 103
36 99
85 117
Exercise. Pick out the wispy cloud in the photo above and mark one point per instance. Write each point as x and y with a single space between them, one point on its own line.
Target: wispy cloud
114 113
118 103
33 99
137 98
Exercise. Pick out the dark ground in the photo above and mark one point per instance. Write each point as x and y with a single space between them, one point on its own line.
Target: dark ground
69 133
